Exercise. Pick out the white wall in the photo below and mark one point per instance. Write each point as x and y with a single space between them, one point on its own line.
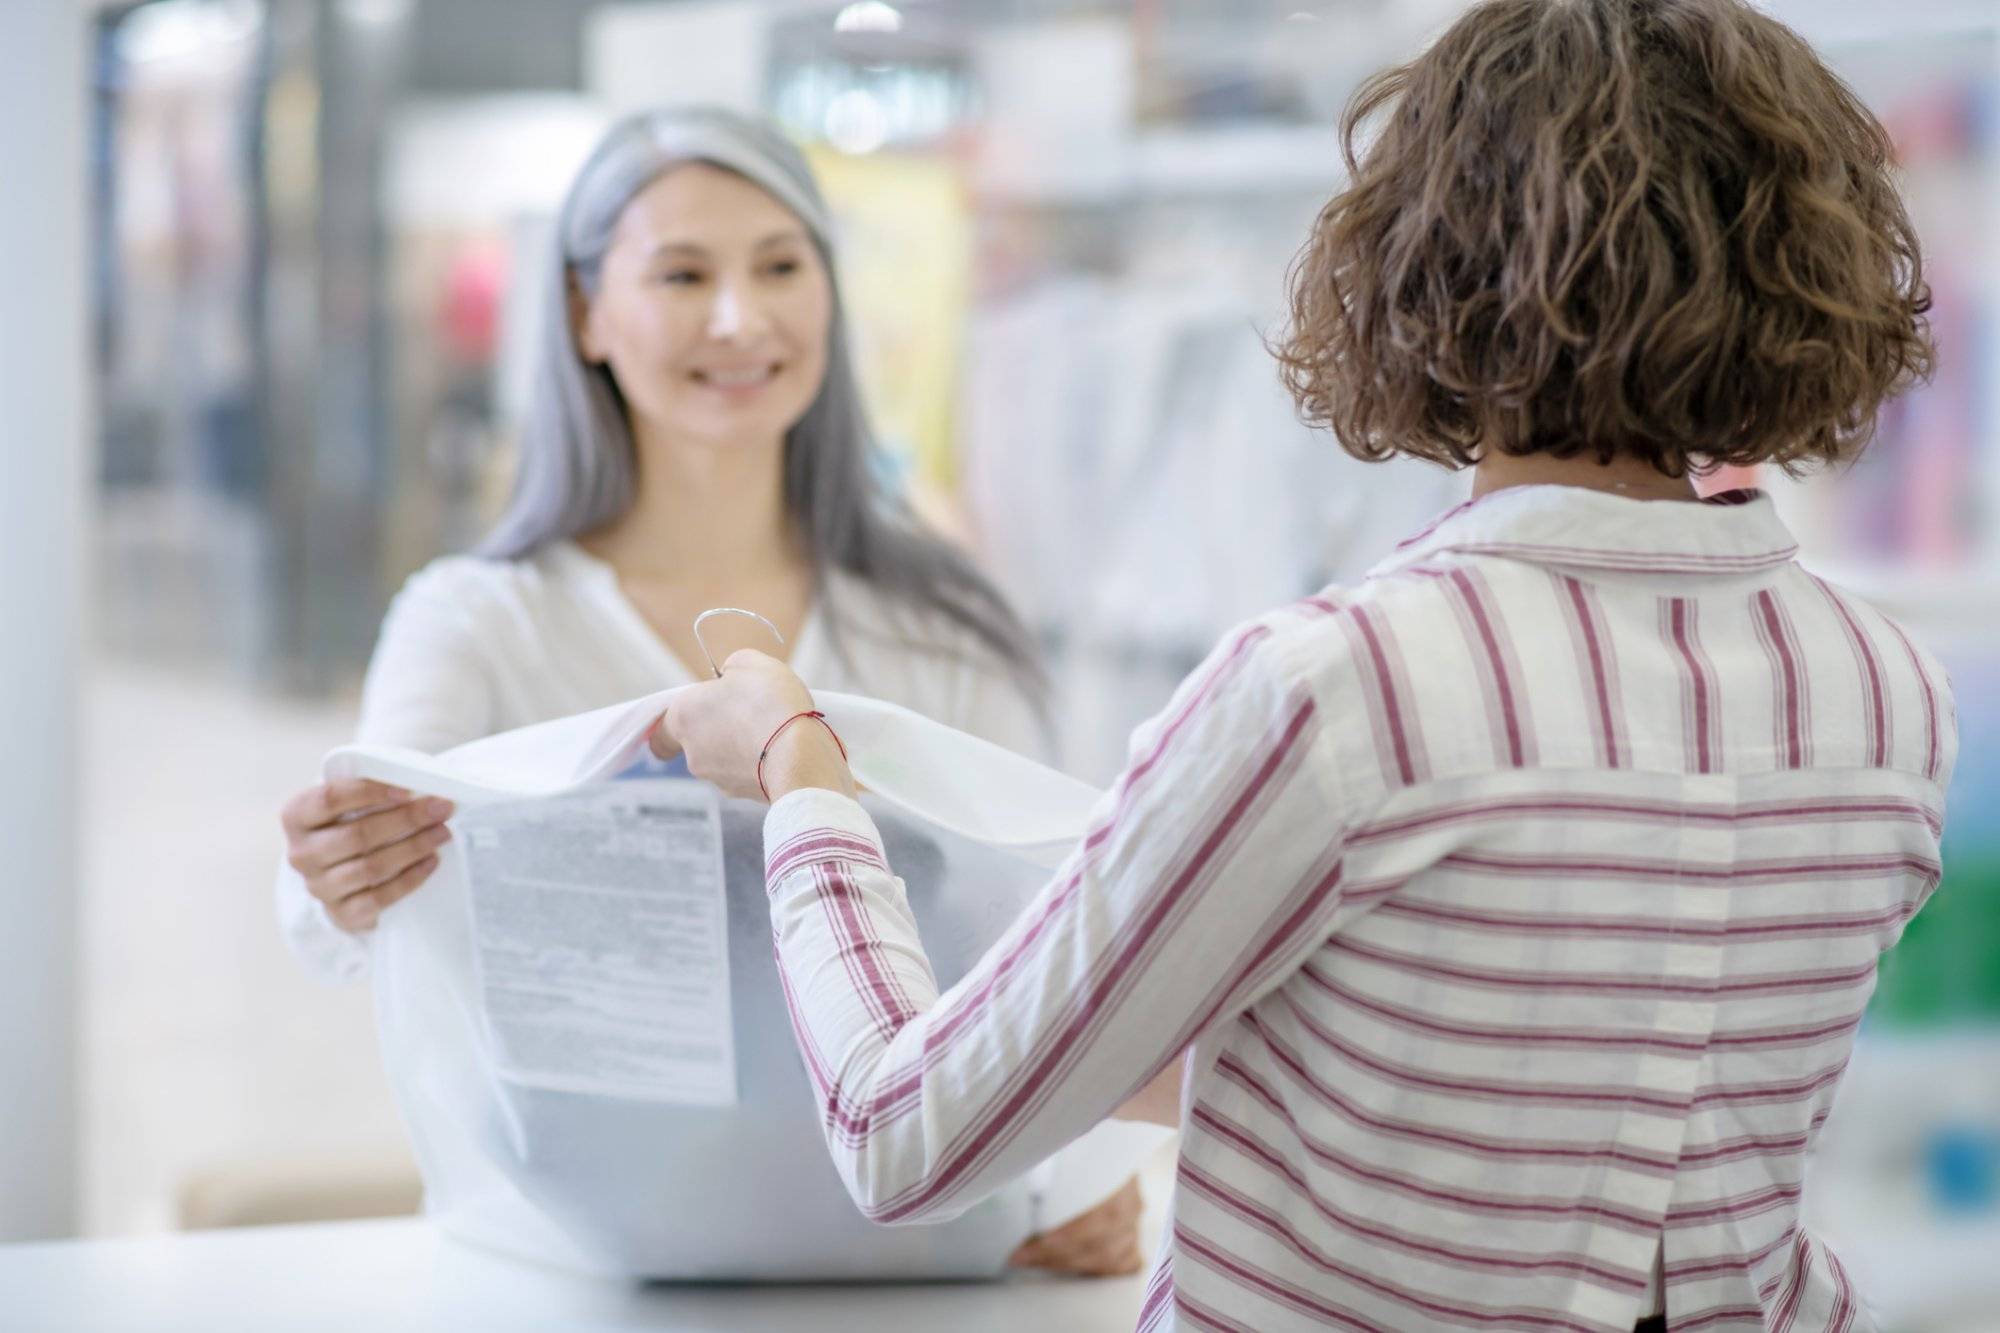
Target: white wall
43 452
644 54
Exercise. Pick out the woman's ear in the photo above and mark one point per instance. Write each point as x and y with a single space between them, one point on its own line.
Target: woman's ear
579 321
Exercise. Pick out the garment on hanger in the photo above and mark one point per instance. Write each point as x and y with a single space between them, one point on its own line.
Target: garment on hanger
584 1172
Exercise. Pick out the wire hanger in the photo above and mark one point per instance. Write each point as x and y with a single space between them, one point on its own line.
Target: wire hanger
729 611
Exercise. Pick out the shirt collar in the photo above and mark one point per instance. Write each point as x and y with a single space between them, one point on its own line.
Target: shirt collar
1571 527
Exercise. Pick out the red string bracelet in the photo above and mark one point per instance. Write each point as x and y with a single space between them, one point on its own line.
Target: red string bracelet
763 754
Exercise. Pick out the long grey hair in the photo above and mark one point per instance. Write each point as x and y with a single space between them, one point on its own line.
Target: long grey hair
578 464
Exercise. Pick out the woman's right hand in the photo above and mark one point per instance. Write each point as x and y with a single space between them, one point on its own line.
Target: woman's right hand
363 845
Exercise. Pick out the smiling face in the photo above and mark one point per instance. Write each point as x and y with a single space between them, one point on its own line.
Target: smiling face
712 311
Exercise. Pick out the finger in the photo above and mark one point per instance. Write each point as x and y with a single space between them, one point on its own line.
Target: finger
362 911
356 914
1120 1261
1109 1260
748 658
662 740
405 883
1100 1240
325 848
1045 1249
1095 1254
1030 1253
320 805
378 867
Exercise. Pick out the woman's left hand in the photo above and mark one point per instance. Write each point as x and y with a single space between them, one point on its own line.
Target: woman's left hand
723 724
1103 1242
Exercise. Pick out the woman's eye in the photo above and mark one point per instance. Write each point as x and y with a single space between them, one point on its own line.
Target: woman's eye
784 268
679 277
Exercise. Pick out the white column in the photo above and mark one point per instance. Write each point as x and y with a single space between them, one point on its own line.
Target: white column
44 448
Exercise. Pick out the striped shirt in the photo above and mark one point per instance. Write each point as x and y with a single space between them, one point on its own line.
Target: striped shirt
1514 909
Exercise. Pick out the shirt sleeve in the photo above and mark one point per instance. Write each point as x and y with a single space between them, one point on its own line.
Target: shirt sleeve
1211 870
428 687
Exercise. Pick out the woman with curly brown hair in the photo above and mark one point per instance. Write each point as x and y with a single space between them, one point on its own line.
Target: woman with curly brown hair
1504 921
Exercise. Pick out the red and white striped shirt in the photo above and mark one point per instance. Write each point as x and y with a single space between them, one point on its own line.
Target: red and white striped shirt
1516 909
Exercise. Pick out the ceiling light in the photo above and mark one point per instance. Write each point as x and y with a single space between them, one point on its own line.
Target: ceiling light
868 16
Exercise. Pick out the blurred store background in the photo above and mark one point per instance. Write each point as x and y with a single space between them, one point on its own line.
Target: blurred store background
1065 226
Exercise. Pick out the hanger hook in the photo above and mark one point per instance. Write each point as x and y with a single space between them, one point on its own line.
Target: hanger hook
729 611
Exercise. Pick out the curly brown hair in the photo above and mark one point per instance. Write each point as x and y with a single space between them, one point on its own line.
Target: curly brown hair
1659 229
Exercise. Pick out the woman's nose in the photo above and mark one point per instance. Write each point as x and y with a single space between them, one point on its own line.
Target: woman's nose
737 316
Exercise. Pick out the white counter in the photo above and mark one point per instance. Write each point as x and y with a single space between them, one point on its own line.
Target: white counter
400 1276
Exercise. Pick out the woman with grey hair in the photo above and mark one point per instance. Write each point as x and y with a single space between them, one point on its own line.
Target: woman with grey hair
696 439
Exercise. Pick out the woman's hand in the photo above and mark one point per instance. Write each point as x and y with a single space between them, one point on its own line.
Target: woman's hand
723 724
1104 1242
362 845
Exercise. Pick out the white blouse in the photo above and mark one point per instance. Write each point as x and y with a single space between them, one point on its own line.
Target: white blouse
472 647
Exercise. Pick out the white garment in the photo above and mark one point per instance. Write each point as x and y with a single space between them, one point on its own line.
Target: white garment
1132 437
953 781
473 647
601 1180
